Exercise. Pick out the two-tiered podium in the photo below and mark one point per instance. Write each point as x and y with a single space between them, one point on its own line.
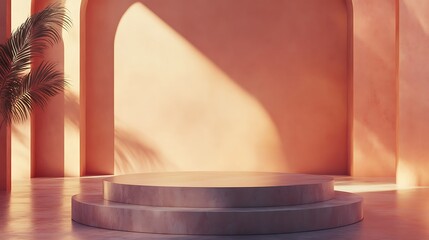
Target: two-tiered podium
217 203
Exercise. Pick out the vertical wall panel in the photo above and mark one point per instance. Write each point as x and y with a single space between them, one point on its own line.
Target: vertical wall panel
47 127
413 117
5 170
374 88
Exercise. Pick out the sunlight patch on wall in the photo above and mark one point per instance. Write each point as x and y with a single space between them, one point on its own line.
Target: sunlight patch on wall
374 28
71 40
406 174
174 105
419 10
20 135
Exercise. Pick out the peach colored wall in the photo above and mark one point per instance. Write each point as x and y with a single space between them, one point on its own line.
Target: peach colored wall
413 125
211 87
5 20
20 135
55 129
233 61
5 170
20 132
96 88
47 130
5 161
71 39
374 88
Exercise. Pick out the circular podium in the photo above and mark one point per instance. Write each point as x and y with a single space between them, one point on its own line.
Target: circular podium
217 203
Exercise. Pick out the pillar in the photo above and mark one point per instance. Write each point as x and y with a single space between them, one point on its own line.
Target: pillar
47 124
5 177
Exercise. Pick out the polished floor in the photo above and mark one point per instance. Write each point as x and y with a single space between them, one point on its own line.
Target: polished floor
40 209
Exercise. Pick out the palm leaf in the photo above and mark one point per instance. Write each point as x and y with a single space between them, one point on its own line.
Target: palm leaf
31 38
7 96
36 89
29 41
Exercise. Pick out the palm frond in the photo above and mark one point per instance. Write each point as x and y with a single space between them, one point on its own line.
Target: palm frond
36 89
5 61
19 88
38 32
8 95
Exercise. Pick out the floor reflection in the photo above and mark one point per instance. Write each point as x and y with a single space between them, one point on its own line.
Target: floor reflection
40 209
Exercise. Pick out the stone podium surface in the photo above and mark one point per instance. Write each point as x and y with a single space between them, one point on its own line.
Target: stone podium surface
217 203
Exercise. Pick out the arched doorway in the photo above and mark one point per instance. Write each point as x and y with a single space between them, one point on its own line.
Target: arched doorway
293 73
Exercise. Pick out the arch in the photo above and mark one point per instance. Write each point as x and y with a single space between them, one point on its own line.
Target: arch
97 87
97 76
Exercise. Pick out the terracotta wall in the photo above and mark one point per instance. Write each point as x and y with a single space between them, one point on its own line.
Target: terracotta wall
5 160
228 85
215 85
55 129
71 40
374 88
413 127
20 132
96 88
55 135
47 130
